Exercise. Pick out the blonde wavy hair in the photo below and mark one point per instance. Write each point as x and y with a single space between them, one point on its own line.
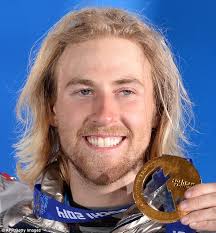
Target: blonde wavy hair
39 140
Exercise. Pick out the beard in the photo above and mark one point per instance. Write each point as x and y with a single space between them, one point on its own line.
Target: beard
103 173
98 167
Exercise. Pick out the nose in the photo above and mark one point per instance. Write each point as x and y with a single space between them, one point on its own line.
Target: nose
105 111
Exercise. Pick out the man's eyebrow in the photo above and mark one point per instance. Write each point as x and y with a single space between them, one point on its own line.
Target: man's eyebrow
128 81
80 81
89 82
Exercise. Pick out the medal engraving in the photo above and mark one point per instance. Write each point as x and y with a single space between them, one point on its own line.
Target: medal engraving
180 175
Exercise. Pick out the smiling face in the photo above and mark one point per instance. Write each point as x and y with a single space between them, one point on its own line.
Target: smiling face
105 108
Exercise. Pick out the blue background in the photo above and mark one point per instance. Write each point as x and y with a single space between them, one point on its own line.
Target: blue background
188 25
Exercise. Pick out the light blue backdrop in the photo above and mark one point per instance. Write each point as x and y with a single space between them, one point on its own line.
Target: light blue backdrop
188 25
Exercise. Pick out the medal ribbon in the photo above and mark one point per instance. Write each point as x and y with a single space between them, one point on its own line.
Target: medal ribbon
49 208
177 227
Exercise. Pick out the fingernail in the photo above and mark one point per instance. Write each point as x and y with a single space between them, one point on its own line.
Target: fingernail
188 194
185 220
183 205
193 224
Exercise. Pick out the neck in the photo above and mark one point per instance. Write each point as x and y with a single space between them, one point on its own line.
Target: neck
90 195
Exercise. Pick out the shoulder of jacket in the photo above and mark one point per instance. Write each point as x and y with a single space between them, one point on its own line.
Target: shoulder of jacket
15 214
22 212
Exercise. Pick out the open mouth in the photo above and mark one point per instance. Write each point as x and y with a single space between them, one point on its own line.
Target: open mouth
104 142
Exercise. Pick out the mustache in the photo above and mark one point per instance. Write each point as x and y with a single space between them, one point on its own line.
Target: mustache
112 130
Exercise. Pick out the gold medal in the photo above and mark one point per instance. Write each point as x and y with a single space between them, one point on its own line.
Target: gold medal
182 175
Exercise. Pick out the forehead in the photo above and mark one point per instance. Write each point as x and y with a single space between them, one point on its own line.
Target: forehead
106 58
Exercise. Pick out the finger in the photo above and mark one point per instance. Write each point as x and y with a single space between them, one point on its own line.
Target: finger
200 216
200 189
197 203
204 226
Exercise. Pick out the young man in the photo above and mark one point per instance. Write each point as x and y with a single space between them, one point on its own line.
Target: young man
103 97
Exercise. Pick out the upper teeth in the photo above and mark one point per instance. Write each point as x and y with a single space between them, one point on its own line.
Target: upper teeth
104 142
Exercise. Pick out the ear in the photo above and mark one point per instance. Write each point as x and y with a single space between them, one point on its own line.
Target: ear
53 117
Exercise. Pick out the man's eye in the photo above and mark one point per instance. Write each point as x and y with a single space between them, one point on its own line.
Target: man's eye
85 92
127 92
